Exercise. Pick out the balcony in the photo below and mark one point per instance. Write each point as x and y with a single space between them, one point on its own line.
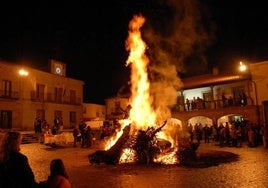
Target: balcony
216 109
51 98
215 104
9 95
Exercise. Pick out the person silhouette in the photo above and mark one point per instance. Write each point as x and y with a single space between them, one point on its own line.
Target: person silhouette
15 170
58 177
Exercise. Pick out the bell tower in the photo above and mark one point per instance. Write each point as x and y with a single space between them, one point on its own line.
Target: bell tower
57 67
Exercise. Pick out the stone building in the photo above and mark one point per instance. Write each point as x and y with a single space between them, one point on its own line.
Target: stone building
217 98
27 93
245 96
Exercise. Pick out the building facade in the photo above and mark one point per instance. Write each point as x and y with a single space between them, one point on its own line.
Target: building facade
217 98
116 107
93 112
27 94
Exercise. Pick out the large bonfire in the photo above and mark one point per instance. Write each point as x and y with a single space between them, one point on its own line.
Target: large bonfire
143 137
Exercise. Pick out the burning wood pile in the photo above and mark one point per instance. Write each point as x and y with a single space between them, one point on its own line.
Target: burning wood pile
144 144
139 140
143 148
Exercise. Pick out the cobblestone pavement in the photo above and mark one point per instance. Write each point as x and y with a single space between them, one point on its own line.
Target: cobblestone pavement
251 170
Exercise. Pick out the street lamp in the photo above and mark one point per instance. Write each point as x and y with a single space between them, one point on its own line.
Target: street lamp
243 68
22 73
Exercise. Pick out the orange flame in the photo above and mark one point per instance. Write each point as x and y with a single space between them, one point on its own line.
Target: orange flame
141 114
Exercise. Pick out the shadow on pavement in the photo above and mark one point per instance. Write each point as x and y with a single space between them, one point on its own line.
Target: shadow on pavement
208 158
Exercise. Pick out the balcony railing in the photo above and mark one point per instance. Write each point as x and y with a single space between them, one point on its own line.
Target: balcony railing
51 98
45 97
215 104
11 95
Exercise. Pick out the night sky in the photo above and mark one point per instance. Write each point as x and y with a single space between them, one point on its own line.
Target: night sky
193 36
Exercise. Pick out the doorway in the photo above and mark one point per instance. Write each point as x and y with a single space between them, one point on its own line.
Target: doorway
5 119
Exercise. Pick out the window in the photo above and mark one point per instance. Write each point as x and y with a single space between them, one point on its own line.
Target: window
40 91
6 88
72 117
72 96
58 94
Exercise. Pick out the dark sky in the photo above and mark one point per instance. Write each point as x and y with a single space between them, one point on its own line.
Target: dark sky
90 37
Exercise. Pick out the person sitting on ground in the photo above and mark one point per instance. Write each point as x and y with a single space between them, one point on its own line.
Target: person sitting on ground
58 177
15 170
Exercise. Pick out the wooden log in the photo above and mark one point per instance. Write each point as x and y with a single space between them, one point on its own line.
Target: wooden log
143 146
112 155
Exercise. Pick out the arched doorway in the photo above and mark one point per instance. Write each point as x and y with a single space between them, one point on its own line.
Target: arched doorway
203 120
230 118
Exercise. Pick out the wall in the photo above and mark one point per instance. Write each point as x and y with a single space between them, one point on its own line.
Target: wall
93 111
24 109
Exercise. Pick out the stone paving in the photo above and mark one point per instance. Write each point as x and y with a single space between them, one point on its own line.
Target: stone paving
250 170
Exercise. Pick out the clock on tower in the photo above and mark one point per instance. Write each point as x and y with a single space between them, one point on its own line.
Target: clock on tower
57 67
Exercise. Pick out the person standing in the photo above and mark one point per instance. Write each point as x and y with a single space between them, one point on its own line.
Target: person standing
75 135
223 99
207 132
38 125
251 136
35 125
82 128
88 137
264 133
187 104
55 126
58 177
15 171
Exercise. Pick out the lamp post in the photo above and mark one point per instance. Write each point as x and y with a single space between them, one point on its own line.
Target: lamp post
22 73
243 68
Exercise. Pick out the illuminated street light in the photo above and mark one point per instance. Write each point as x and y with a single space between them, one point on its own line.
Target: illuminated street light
23 72
243 68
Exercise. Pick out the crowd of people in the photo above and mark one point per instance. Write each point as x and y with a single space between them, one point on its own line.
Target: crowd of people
83 134
230 134
15 170
197 103
42 126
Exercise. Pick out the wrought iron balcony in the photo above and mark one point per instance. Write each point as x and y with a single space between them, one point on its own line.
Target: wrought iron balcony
10 95
51 98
